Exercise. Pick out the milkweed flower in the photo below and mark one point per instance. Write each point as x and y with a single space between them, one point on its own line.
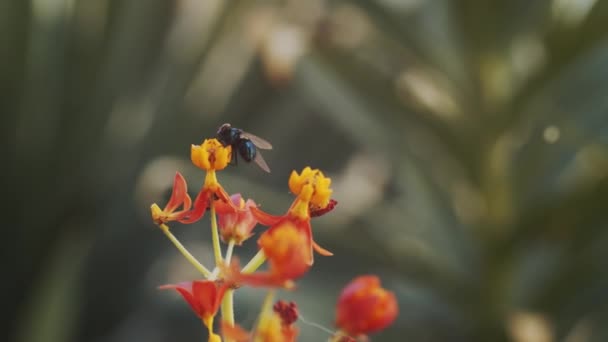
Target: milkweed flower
179 197
204 297
210 156
235 225
312 190
287 260
364 306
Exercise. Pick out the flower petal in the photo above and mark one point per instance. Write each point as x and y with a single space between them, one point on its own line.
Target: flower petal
264 218
321 250
209 294
200 206
180 190
185 290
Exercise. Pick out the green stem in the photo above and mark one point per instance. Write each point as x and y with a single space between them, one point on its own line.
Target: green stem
267 305
228 309
204 271
255 262
215 237
229 251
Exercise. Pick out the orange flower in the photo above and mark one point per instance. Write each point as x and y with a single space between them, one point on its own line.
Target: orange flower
236 225
209 156
312 190
364 306
204 297
179 197
286 258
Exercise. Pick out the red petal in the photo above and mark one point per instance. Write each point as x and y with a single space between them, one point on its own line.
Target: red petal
223 208
223 195
187 202
185 289
265 218
180 190
209 296
200 205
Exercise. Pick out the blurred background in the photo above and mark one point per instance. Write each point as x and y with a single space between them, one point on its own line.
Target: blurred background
467 142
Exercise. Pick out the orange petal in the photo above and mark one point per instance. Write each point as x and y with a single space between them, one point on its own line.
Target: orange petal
321 250
264 218
235 332
364 306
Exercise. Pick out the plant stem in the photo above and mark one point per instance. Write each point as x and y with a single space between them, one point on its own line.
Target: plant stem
228 309
255 262
204 271
215 237
229 251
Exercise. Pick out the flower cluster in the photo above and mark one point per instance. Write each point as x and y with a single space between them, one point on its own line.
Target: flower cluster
287 246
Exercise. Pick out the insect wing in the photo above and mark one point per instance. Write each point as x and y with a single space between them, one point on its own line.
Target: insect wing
257 141
261 162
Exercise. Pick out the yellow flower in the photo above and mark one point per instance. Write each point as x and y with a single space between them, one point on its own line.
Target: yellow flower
311 186
312 192
211 155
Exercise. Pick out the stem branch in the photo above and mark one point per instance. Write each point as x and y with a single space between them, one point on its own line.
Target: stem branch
215 237
204 271
255 262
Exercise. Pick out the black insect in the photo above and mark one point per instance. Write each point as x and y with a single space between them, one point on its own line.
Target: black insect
245 144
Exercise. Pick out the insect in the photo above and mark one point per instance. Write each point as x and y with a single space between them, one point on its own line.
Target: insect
245 144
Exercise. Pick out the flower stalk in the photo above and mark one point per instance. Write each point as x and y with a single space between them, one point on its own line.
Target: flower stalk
202 269
215 236
255 262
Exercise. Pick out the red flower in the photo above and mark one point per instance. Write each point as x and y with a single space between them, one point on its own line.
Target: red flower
364 306
204 297
235 225
179 197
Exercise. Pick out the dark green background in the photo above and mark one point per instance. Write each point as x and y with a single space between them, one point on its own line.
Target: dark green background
467 142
